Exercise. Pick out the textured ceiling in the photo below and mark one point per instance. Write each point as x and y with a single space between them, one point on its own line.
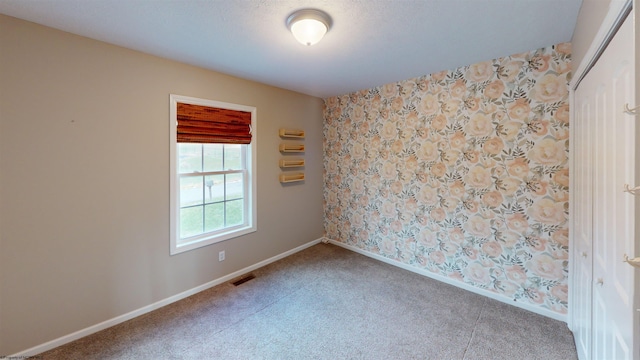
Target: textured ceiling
371 43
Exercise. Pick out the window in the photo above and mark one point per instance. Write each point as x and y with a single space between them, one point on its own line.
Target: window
212 172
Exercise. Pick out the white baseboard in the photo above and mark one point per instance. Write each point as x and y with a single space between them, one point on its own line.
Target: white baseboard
460 284
146 309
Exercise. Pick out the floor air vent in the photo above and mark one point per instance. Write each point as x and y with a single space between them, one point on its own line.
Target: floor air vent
244 280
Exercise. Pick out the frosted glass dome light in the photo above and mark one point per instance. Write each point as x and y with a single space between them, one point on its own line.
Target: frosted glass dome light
308 26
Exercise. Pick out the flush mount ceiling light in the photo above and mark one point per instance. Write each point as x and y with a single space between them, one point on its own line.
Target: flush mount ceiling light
308 26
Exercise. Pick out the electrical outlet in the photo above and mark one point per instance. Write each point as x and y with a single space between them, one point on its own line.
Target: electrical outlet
221 255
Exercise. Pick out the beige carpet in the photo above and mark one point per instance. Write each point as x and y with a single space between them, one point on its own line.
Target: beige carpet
330 303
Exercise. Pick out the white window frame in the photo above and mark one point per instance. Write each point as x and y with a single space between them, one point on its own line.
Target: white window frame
209 238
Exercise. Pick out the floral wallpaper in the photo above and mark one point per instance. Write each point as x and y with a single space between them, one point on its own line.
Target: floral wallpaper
463 173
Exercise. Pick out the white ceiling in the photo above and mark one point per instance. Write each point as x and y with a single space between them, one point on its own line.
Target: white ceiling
371 43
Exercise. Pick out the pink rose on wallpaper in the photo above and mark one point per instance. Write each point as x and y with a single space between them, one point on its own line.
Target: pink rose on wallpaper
472 104
449 107
548 152
396 187
438 214
388 131
519 109
358 113
427 195
458 140
389 171
508 70
550 88
564 48
357 151
478 226
547 211
508 288
561 237
493 146
457 189
479 125
458 89
510 238
509 186
449 249
388 247
450 204
509 130
411 163
388 210
518 222
438 169
494 90
560 134
357 186
428 151
518 167
427 238
456 235
412 120
451 156
440 75
492 248
397 104
478 177
545 266
561 177
437 257
439 122
492 199
480 72
516 274
357 220
397 147
429 104
477 273
389 90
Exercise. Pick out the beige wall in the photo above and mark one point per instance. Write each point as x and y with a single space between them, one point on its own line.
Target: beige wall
592 13
84 181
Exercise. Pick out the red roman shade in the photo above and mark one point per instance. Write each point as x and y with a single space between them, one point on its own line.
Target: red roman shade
205 124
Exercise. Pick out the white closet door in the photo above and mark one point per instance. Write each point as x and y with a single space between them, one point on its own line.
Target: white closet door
604 154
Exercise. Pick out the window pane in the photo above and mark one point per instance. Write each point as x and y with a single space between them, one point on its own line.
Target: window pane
235 187
189 157
191 191
213 217
213 157
190 221
233 157
214 188
235 213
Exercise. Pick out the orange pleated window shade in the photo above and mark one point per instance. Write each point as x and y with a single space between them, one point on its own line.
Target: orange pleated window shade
205 124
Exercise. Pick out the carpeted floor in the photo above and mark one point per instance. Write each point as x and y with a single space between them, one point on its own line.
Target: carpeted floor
330 303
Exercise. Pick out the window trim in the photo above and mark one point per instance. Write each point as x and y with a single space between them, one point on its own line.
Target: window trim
174 196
